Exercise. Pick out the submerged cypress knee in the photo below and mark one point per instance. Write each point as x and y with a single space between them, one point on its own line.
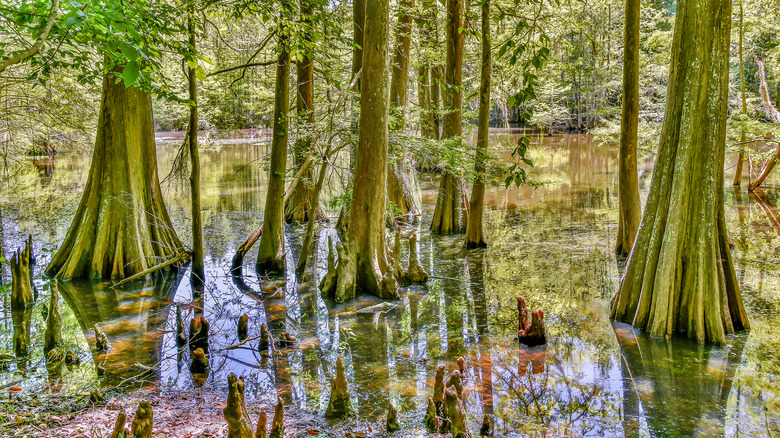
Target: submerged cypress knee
21 299
277 426
101 339
455 382
392 419
415 273
143 422
53 335
456 413
199 334
431 419
438 389
340 405
243 327
200 363
261 422
264 339
119 426
239 425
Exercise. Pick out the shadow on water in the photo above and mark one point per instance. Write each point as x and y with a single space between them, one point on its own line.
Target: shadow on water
131 317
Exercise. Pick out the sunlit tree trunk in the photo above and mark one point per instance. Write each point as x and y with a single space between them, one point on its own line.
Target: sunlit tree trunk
366 265
741 157
630 211
198 272
474 233
401 182
680 276
121 226
451 213
425 23
270 258
297 207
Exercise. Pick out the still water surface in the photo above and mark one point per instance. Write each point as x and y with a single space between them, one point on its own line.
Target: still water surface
552 244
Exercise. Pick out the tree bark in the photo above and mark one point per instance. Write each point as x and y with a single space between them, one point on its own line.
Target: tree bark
741 157
363 263
451 213
297 207
270 258
680 277
198 273
769 108
358 22
630 210
475 237
401 181
121 226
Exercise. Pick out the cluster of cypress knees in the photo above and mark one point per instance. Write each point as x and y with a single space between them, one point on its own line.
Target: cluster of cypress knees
446 412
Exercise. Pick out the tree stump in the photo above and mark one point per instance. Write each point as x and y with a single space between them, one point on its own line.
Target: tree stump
415 273
261 422
392 419
277 426
101 339
143 422
340 405
199 335
530 334
239 425
21 288
243 327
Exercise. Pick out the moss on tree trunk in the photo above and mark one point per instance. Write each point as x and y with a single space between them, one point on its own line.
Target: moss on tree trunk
630 210
475 237
121 226
451 213
680 277
270 258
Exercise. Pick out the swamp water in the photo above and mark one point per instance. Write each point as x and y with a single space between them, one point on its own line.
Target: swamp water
552 244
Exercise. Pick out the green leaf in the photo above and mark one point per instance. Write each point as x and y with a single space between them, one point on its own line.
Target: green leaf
200 73
131 73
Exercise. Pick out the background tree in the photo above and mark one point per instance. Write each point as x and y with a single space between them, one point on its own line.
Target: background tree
630 210
680 276
271 255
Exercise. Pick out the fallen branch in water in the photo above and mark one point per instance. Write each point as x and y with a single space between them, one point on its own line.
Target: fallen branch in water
178 257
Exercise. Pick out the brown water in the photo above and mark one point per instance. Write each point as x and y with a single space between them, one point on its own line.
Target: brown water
552 244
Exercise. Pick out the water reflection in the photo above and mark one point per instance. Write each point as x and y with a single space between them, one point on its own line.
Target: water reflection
551 244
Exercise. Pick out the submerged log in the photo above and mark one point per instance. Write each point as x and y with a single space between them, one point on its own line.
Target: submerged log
119 426
101 339
415 273
530 334
199 334
261 422
143 422
456 413
392 419
239 425
462 366
243 327
277 426
340 405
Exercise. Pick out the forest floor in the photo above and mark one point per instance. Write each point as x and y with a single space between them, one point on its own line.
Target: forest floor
191 414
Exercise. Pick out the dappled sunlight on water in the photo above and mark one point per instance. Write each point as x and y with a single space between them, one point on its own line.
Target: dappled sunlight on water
552 244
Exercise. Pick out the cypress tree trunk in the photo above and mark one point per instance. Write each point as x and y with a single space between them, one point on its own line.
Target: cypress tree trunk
270 258
741 157
425 23
363 264
474 233
198 274
297 207
358 21
401 182
451 213
680 277
630 209
121 226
